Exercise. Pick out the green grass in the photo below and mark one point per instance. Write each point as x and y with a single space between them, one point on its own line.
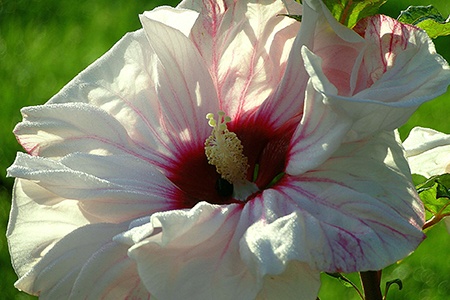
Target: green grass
44 44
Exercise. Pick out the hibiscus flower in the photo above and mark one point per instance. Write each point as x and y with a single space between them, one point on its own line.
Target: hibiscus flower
128 191
428 151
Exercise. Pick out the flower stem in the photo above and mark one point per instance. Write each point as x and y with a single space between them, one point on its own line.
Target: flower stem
435 219
371 284
430 222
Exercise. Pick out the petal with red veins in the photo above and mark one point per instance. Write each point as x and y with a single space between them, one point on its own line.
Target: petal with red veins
245 46
287 100
358 211
109 188
184 87
320 132
162 111
119 84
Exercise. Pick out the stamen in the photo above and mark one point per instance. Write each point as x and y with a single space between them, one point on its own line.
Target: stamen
224 150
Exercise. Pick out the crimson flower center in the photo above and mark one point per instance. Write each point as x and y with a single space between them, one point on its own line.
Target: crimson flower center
233 171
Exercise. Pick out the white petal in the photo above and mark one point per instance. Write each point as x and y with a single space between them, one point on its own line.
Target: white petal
111 188
112 274
428 151
200 251
287 99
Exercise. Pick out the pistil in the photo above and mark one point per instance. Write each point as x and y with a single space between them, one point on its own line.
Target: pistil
224 150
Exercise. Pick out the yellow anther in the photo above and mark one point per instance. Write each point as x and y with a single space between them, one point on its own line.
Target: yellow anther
224 150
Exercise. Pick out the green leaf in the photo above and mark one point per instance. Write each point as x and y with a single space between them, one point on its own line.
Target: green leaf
435 195
418 179
428 198
437 206
428 18
349 12
346 282
443 179
342 279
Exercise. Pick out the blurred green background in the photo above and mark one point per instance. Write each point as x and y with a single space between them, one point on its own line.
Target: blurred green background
45 43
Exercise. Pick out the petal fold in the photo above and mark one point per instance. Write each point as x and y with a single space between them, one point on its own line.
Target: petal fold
205 241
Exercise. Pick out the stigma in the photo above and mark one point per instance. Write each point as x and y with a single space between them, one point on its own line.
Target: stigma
224 150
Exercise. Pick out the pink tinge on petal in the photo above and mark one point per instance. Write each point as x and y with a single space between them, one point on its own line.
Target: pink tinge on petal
397 52
391 36
380 88
339 51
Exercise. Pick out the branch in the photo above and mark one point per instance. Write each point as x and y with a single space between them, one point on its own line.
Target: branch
371 284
